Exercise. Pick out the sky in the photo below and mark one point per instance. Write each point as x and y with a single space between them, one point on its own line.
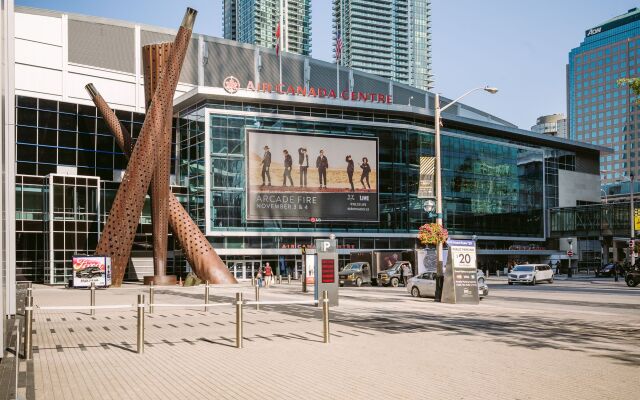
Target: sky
518 46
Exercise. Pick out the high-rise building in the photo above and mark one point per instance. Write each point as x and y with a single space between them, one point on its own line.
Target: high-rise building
256 22
599 110
389 38
554 125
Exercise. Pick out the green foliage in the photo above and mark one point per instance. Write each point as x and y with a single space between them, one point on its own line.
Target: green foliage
634 85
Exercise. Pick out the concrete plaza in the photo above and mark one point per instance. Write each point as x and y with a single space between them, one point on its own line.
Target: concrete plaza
568 340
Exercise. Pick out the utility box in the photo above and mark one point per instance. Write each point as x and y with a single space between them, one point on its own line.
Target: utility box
326 271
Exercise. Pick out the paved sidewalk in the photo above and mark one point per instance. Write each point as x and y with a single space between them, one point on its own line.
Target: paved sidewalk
384 345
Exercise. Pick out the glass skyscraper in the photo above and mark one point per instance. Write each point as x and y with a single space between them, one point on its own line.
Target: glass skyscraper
599 110
388 38
256 22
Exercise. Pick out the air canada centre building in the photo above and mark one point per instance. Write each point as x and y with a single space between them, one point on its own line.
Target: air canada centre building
266 165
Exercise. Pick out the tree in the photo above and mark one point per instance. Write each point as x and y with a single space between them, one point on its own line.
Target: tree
634 85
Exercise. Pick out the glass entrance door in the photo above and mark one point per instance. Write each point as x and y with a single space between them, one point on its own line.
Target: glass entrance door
243 270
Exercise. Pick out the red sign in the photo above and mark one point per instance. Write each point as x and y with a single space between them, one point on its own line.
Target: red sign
328 271
570 253
231 86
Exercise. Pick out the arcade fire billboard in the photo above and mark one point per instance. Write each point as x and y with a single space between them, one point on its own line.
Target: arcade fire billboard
293 176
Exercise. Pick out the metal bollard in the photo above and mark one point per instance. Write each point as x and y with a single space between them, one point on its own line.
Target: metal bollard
140 341
289 279
28 328
17 360
206 295
253 281
325 315
239 320
280 279
257 297
92 290
497 273
151 295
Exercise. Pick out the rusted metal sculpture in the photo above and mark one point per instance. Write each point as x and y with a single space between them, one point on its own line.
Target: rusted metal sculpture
154 57
201 256
119 231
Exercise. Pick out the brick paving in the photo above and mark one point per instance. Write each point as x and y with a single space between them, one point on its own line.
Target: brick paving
569 340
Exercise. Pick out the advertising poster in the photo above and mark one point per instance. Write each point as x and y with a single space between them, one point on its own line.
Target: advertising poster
427 175
310 177
310 272
88 269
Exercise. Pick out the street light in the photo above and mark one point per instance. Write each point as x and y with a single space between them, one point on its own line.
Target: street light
437 121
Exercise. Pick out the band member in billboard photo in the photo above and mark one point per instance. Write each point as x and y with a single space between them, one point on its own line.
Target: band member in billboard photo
303 161
266 164
288 164
322 164
350 169
366 170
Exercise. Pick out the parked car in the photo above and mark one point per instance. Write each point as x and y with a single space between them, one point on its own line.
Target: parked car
632 277
530 274
89 272
391 276
356 273
424 285
609 270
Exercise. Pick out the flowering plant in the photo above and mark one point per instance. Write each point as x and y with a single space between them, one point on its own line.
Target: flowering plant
432 234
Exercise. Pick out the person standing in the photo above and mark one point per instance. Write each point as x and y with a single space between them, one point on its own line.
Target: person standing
259 278
267 275
288 164
303 161
266 165
350 169
322 164
366 170
406 272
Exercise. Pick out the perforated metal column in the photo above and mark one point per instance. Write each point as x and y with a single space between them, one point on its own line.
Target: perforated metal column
119 231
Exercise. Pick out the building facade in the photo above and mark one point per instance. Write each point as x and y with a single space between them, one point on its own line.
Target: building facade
554 125
498 181
389 38
599 110
256 22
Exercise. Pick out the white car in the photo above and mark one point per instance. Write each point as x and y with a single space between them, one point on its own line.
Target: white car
530 274
424 285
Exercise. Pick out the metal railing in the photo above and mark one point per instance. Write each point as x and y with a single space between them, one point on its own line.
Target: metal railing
141 306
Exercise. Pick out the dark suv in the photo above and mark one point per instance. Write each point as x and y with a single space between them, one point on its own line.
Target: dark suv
89 272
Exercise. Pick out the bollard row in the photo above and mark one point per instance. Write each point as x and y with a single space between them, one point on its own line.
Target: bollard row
28 331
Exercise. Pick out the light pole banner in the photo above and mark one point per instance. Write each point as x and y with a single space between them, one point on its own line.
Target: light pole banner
636 219
427 176
295 176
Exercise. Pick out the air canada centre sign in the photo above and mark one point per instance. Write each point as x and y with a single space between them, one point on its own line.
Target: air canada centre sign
231 85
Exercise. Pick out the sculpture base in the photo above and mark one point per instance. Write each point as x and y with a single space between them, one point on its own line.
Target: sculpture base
161 280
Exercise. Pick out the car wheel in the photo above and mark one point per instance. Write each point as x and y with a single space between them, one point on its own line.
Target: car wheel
415 292
551 279
481 280
533 282
510 283
631 282
358 282
394 282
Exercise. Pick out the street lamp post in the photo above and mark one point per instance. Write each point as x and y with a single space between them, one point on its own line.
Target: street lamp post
437 121
633 228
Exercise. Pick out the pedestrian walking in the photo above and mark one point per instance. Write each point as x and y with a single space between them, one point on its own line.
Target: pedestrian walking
268 275
405 273
259 278
402 275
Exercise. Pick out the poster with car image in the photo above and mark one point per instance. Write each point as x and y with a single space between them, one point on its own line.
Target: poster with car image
293 176
88 269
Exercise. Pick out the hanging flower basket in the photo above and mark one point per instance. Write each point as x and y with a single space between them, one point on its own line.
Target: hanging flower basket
432 234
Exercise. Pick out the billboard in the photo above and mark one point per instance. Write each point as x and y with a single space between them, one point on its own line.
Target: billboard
87 269
292 176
